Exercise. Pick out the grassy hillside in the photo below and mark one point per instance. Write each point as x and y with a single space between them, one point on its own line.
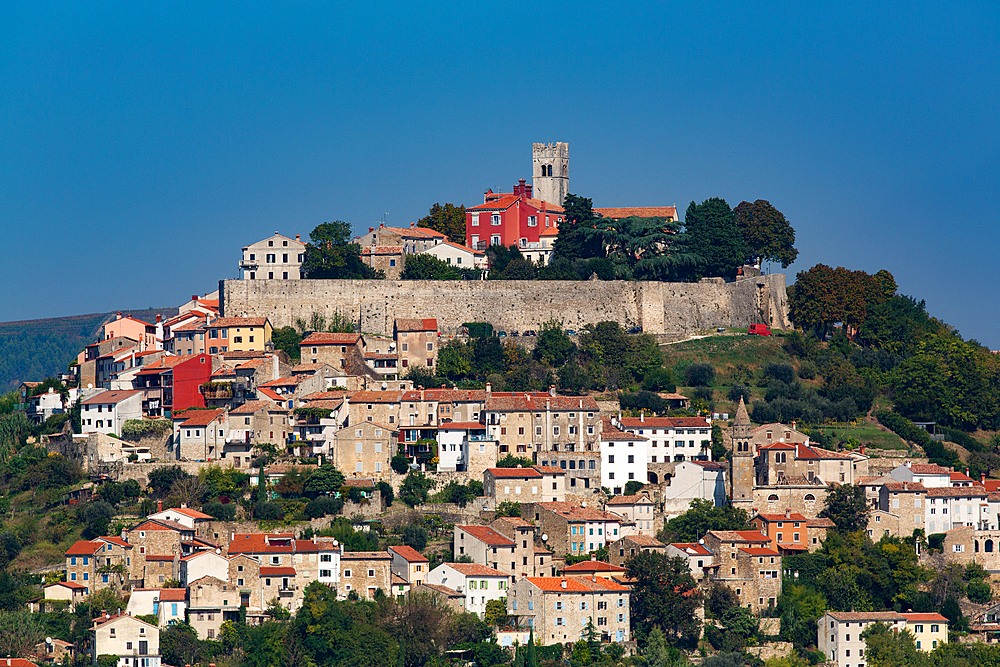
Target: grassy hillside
36 349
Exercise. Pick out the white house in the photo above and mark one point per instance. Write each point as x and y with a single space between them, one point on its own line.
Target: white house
167 604
697 556
479 583
671 438
624 458
454 442
953 507
703 480
931 475
839 633
274 258
107 411
459 256
203 563
135 642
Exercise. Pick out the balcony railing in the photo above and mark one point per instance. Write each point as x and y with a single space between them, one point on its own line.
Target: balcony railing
249 264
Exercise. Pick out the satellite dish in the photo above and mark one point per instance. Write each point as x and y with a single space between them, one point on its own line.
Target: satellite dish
48 640
545 537
90 385
218 551
701 541
336 543
385 385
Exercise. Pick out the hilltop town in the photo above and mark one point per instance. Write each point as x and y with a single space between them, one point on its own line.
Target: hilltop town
299 463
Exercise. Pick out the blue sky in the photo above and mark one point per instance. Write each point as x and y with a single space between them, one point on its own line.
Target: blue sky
142 147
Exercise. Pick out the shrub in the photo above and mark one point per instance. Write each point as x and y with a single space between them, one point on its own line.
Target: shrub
699 375
97 517
704 393
220 511
323 506
387 494
400 464
135 429
807 370
783 372
415 536
268 511
738 391
979 592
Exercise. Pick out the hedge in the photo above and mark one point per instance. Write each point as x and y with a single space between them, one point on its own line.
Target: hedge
134 429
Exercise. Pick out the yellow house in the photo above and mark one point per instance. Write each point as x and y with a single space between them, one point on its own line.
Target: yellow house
238 334
929 630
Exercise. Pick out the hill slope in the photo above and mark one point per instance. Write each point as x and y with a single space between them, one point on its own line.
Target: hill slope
36 349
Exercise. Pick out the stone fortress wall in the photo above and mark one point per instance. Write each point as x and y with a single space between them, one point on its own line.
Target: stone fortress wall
659 308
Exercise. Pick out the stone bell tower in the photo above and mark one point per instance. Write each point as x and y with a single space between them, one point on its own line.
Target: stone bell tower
550 172
741 471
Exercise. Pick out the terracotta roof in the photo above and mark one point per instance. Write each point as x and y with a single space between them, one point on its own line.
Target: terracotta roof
630 500
516 521
444 590
759 551
203 417
644 540
609 432
638 211
956 492
447 395
867 615
324 338
530 402
290 381
160 524
929 469
271 394
904 486
237 322
326 395
475 570
573 585
820 522
360 483
518 472
692 548
377 397
665 422
710 465
158 557
589 566
173 594
409 325
83 548
914 616
251 407
110 397
366 555
574 512
115 540
739 536
460 426
502 203
487 535
961 477
462 247
68 584
397 580
256 543
408 554
277 571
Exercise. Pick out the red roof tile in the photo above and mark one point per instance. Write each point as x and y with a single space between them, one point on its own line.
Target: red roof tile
201 417
638 211
487 535
173 594
324 338
692 548
475 570
83 548
277 571
106 397
409 554
589 566
573 585
411 325
518 472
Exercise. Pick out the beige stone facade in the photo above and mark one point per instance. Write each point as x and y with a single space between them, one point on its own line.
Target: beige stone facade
417 342
485 546
334 349
211 602
365 572
127 637
274 258
364 450
572 529
746 566
549 429
525 485
559 609
380 407
522 534
621 550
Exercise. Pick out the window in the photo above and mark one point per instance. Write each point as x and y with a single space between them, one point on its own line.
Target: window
495 219
475 223
532 220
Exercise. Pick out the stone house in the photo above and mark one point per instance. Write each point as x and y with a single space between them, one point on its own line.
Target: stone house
524 485
128 638
211 602
100 563
417 341
486 546
572 529
547 428
197 521
409 564
782 461
339 350
769 434
364 450
560 608
459 256
365 572
818 528
244 574
70 592
690 480
200 435
413 239
899 509
966 545
255 423
53 652
439 406
449 597
465 447
636 510
280 583
274 258
747 565
624 548
382 407
479 583
522 534
931 475
390 259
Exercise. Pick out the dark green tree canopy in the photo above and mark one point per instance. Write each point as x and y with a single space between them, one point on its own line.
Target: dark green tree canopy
428 267
767 235
847 507
664 595
332 255
448 219
713 235
573 241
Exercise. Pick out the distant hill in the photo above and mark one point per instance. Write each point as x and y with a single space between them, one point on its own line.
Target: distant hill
36 349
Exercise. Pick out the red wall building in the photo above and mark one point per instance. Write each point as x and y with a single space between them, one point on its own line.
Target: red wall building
510 218
172 384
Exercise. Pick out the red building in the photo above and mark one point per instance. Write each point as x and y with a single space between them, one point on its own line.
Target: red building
172 384
510 218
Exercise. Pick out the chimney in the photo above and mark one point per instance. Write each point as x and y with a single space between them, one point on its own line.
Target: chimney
982 478
593 576
642 416
528 189
159 318
552 390
298 237
793 424
159 505
194 297
184 506
788 512
909 464
489 388
371 229
563 583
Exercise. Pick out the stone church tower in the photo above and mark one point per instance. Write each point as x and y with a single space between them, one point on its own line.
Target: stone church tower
741 471
550 172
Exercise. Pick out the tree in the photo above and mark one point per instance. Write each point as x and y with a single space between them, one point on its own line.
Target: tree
97 517
633 487
387 493
324 480
664 595
287 339
415 536
699 375
399 464
422 266
553 346
823 296
496 612
644 248
701 517
19 632
508 508
714 237
720 599
448 219
847 507
415 488
573 242
331 254
767 236
162 478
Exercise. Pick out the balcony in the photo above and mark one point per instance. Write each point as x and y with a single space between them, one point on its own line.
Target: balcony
529 245
249 264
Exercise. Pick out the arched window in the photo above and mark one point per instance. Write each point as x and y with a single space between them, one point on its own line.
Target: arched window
810 498
989 546
651 477
548 170
565 170
773 498
975 547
